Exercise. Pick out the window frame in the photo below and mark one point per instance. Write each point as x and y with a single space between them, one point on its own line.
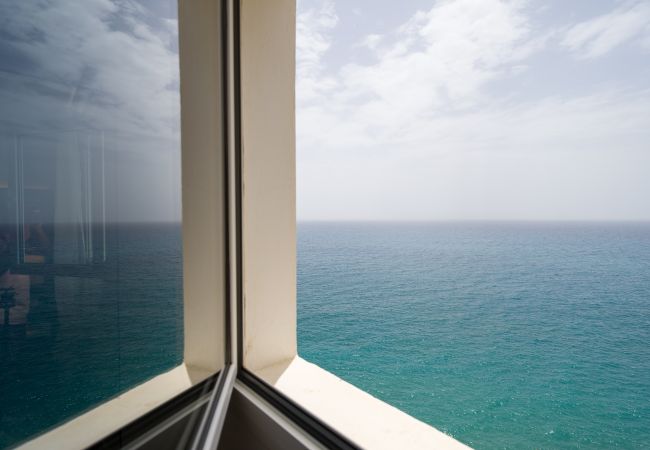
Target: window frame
213 306
238 165
270 364
288 414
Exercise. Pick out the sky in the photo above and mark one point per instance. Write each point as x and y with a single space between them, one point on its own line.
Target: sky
473 110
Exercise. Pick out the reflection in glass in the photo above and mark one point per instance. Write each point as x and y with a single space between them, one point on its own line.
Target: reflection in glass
90 240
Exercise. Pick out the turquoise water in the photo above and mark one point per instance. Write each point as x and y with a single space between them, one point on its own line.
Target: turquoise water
504 335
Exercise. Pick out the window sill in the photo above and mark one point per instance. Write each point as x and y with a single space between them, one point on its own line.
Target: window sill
362 418
108 417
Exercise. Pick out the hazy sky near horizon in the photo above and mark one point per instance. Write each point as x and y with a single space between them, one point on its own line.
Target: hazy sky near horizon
473 109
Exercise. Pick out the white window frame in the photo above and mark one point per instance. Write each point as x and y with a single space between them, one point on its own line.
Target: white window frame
239 248
269 245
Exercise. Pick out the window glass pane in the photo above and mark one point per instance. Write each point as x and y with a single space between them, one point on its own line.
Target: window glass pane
90 238
473 183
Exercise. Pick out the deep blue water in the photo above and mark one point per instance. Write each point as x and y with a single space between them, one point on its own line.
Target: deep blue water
504 335
92 331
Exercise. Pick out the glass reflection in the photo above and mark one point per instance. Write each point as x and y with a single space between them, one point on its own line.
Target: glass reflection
90 243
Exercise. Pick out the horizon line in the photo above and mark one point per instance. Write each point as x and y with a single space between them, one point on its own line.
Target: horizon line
476 220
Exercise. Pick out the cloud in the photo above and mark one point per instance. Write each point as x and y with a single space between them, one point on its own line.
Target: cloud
600 35
371 41
439 59
313 29
420 133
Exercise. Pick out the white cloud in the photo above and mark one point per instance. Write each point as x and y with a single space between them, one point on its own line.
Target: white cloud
371 41
417 134
440 58
600 35
312 41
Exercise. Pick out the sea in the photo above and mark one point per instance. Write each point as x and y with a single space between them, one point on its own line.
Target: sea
503 335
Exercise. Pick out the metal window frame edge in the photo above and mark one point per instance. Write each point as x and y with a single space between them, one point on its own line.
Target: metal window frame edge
301 419
290 416
208 434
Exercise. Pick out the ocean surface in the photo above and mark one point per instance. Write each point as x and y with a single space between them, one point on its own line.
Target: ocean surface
503 335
